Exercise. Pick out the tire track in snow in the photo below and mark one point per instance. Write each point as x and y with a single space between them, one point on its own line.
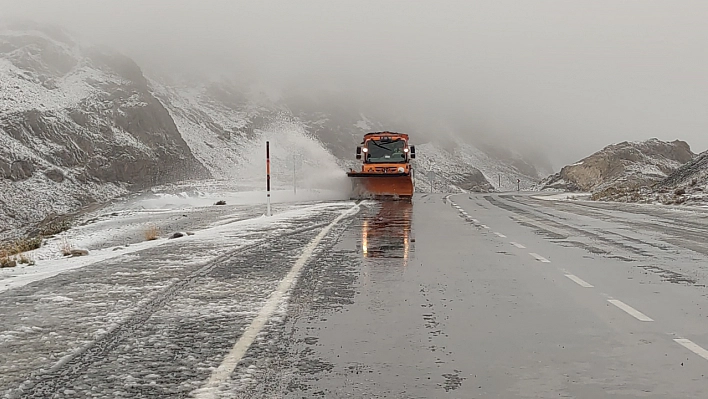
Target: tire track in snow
71 366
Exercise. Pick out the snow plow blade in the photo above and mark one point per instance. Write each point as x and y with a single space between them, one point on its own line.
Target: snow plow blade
381 186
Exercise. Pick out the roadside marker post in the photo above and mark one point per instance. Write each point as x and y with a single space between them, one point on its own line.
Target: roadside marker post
268 175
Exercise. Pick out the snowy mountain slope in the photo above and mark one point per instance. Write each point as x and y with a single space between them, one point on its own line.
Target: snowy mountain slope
463 166
693 173
81 125
341 121
77 125
621 166
214 126
227 133
687 185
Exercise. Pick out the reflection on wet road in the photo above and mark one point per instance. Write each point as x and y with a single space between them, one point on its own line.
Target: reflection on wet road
387 233
422 300
471 296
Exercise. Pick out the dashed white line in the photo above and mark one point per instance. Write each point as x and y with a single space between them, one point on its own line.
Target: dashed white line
632 311
500 234
539 257
579 281
517 245
222 373
690 345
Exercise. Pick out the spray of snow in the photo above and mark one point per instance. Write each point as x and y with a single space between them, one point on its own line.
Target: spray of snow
215 132
296 158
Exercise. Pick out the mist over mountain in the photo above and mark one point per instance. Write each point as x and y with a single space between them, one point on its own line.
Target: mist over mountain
82 124
551 80
101 99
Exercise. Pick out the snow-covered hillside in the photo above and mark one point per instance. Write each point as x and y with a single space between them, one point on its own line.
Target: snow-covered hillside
80 125
622 166
340 123
77 125
687 185
227 133
462 166
226 130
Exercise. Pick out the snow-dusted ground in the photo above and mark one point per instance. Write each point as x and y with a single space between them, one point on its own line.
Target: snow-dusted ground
117 287
120 229
564 196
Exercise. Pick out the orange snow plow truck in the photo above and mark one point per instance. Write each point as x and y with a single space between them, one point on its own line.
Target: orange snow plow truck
386 170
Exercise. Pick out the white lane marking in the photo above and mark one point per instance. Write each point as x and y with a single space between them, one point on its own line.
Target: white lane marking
231 360
690 345
579 281
632 311
484 226
500 234
517 245
539 257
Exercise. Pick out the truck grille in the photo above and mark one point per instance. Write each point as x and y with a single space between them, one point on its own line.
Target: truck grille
387 170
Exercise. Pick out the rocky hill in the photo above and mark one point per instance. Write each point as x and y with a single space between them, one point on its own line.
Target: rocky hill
686 185
77 125
225 130
621 167
80 125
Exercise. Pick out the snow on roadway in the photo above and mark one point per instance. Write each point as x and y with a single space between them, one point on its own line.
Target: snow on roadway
128 227
563 196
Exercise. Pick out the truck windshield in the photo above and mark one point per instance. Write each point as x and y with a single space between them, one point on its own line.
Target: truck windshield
386 152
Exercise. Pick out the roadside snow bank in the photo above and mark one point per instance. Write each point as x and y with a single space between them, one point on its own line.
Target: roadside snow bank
235 231
563 196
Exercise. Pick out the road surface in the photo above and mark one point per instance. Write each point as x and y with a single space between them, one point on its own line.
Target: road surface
462 296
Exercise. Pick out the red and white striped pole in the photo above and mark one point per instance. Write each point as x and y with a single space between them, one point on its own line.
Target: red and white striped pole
268 173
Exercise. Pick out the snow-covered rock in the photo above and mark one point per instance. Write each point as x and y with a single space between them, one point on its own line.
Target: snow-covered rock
77 125
621 167
80 125
687 185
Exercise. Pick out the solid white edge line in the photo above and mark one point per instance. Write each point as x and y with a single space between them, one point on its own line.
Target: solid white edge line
500 234
539 257
579 281
517 245
231 360
693 347
630 310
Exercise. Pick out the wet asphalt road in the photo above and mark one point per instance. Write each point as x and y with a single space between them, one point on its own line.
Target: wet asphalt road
498 296
471 296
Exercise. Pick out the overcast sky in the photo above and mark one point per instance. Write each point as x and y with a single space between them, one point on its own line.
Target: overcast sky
572 76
